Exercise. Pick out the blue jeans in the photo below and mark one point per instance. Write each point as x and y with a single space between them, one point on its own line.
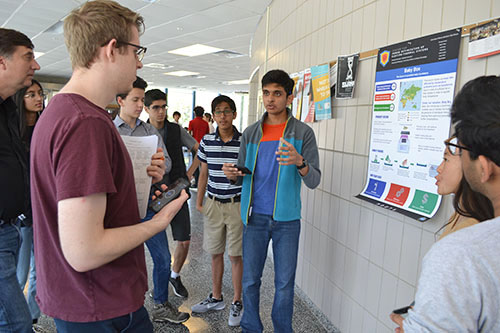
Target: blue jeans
14 313
256 236
25 265
158 248
137 321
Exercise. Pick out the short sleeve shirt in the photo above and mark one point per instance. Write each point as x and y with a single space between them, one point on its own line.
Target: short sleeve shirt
76 151
215 153
199 127
143 129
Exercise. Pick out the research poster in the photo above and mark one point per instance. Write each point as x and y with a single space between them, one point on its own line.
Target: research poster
414 89
320 77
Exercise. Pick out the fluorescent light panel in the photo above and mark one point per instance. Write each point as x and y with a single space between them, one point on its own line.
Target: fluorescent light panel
181 73
195 50
244 81
156 65
38 54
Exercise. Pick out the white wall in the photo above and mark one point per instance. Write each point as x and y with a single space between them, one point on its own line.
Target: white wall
357 262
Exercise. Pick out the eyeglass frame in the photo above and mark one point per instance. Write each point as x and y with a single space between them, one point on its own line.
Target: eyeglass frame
456 145
139 53
225 112
158 107
28 95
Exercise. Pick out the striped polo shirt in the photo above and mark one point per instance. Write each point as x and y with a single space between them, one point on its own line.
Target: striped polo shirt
215 153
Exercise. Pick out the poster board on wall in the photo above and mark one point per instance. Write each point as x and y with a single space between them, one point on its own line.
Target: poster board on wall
414 89
346 75
320 80
484 40
298 79
307 112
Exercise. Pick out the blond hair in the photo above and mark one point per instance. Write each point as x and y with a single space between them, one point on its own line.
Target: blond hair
94 24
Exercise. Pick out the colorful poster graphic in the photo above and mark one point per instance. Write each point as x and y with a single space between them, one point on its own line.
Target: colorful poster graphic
298 78
414 89
485 40
346 76
320 77
307 114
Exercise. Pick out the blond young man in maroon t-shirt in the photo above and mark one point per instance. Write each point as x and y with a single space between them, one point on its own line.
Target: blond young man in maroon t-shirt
91 272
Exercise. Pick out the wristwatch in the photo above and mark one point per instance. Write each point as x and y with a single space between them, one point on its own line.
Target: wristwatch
303 165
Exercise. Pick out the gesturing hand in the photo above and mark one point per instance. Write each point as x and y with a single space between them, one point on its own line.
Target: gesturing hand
288 155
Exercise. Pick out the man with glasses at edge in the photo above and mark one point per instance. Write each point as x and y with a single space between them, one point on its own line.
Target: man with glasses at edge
174 137
17 67
459 286
89 250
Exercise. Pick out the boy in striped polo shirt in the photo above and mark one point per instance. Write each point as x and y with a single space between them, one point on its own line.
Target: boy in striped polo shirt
222 208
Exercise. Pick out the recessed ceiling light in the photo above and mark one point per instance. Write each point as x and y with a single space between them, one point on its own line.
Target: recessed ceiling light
245 81
229 54
201 77
38 54
195 50
181 73
57 28
156 65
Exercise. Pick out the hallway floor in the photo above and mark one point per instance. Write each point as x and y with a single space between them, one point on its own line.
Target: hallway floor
196 276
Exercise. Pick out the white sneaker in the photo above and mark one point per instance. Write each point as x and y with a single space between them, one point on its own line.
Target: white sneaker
235 314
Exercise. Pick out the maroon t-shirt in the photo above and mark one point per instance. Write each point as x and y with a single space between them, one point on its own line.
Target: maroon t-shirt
199 127
76 151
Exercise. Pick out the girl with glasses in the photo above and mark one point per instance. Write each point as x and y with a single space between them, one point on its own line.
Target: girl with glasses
30 103
470 207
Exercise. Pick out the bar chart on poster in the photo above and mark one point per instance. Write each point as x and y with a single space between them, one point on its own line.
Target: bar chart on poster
414 89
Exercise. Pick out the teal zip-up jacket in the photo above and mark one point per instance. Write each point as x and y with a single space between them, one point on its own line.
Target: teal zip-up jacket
287 205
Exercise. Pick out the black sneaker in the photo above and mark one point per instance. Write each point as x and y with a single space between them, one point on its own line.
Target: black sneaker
178 287
166 312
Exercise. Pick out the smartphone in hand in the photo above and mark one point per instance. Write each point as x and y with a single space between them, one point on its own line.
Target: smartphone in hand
243 169
402 310
172 192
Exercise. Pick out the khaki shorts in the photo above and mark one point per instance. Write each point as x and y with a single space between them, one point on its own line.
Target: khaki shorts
223 221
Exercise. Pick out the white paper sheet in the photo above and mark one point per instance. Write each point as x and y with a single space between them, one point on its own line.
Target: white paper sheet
140 149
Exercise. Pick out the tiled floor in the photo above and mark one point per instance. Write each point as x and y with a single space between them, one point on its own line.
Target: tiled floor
196 276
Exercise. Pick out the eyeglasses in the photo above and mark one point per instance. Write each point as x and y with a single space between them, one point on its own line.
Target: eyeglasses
454 148
159 107
226 112
32 94
140 52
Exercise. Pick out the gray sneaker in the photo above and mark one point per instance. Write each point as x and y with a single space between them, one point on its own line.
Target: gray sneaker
209 304
235 314
166 312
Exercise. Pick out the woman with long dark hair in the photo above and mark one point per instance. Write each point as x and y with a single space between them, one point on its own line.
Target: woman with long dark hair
30 104
470 206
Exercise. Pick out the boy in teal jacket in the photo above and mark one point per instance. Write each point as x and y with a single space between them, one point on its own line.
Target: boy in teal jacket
281 152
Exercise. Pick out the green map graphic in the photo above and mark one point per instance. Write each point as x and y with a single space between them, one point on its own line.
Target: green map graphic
411 95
